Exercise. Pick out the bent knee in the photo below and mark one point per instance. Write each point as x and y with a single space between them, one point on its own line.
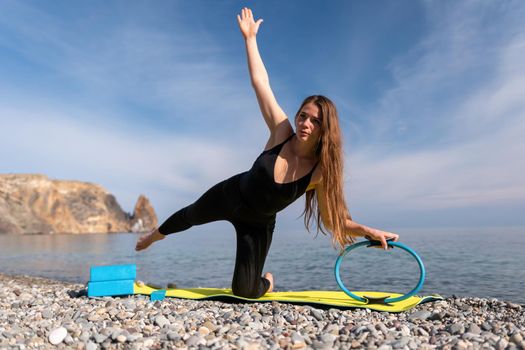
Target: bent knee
246 291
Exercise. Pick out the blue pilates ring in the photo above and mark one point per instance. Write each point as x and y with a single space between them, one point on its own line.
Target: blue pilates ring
377 243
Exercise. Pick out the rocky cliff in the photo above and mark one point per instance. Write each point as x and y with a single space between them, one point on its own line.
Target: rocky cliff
37 204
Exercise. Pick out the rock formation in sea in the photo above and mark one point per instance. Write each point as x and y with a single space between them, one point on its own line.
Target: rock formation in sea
36 204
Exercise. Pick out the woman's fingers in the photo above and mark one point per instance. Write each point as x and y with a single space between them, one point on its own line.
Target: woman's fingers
247 22
383 237
246 13
383 243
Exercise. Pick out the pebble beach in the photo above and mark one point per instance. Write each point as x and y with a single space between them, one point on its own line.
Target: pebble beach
37 313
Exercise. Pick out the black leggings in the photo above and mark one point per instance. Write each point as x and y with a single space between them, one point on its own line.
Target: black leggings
254 232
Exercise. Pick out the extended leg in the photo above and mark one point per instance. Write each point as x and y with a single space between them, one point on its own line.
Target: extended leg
213 205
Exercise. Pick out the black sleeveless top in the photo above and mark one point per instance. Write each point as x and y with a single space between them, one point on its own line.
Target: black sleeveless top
259 190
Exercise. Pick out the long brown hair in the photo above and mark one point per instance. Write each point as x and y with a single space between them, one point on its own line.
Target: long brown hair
331 159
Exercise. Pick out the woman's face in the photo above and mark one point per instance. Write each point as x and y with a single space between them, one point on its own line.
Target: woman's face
308 123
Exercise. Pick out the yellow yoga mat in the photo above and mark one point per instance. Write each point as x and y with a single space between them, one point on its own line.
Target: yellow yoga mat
317 298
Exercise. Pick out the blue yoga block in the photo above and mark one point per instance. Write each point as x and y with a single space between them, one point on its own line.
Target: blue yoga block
112 273
110 288
158 295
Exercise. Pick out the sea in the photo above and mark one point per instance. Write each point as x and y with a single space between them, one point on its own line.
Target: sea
469 262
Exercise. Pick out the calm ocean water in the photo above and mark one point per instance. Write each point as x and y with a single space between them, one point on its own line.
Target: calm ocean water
485 262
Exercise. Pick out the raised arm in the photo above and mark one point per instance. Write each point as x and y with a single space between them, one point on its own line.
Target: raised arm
274 116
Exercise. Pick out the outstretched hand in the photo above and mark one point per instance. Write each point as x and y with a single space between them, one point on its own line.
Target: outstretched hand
247 25
382 236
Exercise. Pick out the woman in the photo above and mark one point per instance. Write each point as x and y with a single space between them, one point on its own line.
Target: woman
291 164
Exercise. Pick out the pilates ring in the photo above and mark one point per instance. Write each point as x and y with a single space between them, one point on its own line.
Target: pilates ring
371 243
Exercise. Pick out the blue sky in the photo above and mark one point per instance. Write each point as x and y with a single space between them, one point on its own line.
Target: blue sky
154 98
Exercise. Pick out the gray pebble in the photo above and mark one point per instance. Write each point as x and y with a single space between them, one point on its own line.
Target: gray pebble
474 328
486 326
317 314
420 315
255 325
297 337
317 345
456 328
436 316
114 333
469 336
91 346
195 341
360 329
47 314
241 343
133 337
68 340
400 343
99 338
173 336
501 344
422 332
161 321
382 328
413 345
7 334
84 336
328 339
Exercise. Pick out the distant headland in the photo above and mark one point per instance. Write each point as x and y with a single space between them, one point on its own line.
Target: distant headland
35 204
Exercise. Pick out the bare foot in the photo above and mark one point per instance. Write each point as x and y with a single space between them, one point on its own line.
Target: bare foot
269 277
147 239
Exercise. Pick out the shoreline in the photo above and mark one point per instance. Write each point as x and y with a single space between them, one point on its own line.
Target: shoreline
36 312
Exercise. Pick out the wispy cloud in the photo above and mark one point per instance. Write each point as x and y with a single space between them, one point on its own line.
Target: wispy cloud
181 72
447 134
